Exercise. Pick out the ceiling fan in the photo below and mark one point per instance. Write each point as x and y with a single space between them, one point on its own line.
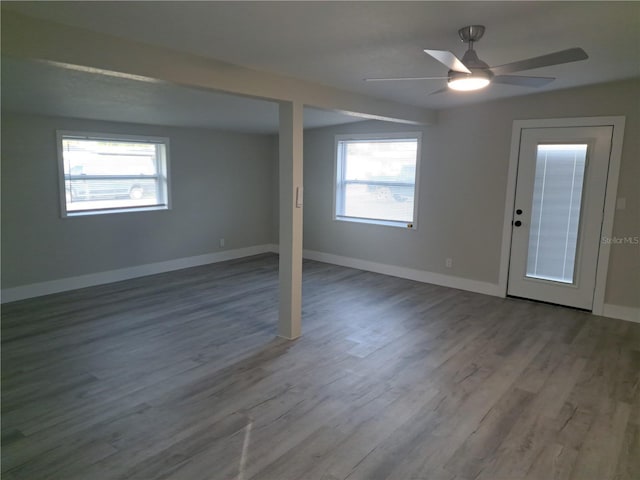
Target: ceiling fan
471 73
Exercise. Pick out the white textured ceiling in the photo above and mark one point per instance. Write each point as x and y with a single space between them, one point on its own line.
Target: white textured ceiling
340 43
46 89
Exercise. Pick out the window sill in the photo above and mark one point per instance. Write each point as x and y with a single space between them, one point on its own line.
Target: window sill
84 213
383 223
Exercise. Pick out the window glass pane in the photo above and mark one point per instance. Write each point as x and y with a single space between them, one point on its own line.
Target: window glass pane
110 193
376 179
381 202
381 161
108 157
555 215
103 174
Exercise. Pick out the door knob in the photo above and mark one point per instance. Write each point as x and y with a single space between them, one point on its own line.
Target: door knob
517 223
518 212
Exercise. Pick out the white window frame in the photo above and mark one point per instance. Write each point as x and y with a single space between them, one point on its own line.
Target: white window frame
337 164
162 168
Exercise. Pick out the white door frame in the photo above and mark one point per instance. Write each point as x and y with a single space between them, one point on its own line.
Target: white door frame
617 123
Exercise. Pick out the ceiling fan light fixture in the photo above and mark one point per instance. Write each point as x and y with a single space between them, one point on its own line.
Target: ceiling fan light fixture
467 83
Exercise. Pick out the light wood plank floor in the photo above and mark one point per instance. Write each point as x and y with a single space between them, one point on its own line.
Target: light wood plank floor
180 376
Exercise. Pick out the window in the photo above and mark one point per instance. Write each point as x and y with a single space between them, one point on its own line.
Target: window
112 173
376 178
555 216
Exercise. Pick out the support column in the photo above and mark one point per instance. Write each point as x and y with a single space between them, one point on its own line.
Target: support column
290 273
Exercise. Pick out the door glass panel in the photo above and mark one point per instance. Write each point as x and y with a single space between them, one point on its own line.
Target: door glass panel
555 215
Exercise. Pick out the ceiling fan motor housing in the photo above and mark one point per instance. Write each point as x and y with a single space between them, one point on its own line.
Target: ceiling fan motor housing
471 60
480 75
479 69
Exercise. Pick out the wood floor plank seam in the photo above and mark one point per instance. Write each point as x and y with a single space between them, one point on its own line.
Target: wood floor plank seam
180 376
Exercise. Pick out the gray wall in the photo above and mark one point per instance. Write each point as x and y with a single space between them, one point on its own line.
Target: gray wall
221 187
463 186
225 185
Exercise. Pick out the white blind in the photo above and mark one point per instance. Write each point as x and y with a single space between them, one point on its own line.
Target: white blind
555 216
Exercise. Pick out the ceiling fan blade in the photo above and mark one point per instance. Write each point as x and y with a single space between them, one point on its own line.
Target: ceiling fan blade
401 78
442 90
556 58
522 80
449 59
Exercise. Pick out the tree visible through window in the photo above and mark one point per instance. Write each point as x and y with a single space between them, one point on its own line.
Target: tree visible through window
107 174
376 179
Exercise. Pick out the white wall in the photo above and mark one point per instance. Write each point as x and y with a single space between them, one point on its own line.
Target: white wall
221 188
463 187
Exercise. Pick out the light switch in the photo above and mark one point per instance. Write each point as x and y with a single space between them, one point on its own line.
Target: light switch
299 196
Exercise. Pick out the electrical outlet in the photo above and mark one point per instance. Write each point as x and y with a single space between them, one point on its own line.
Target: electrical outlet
221 242
448 262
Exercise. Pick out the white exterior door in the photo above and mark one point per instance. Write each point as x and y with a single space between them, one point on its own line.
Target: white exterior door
560 193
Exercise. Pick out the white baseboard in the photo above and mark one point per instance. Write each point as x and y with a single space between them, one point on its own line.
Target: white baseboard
631 314
110 276
408 273
621 312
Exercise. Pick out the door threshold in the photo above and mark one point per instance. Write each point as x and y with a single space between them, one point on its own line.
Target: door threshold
550 303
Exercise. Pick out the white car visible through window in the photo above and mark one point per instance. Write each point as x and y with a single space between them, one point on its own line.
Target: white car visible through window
105 174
